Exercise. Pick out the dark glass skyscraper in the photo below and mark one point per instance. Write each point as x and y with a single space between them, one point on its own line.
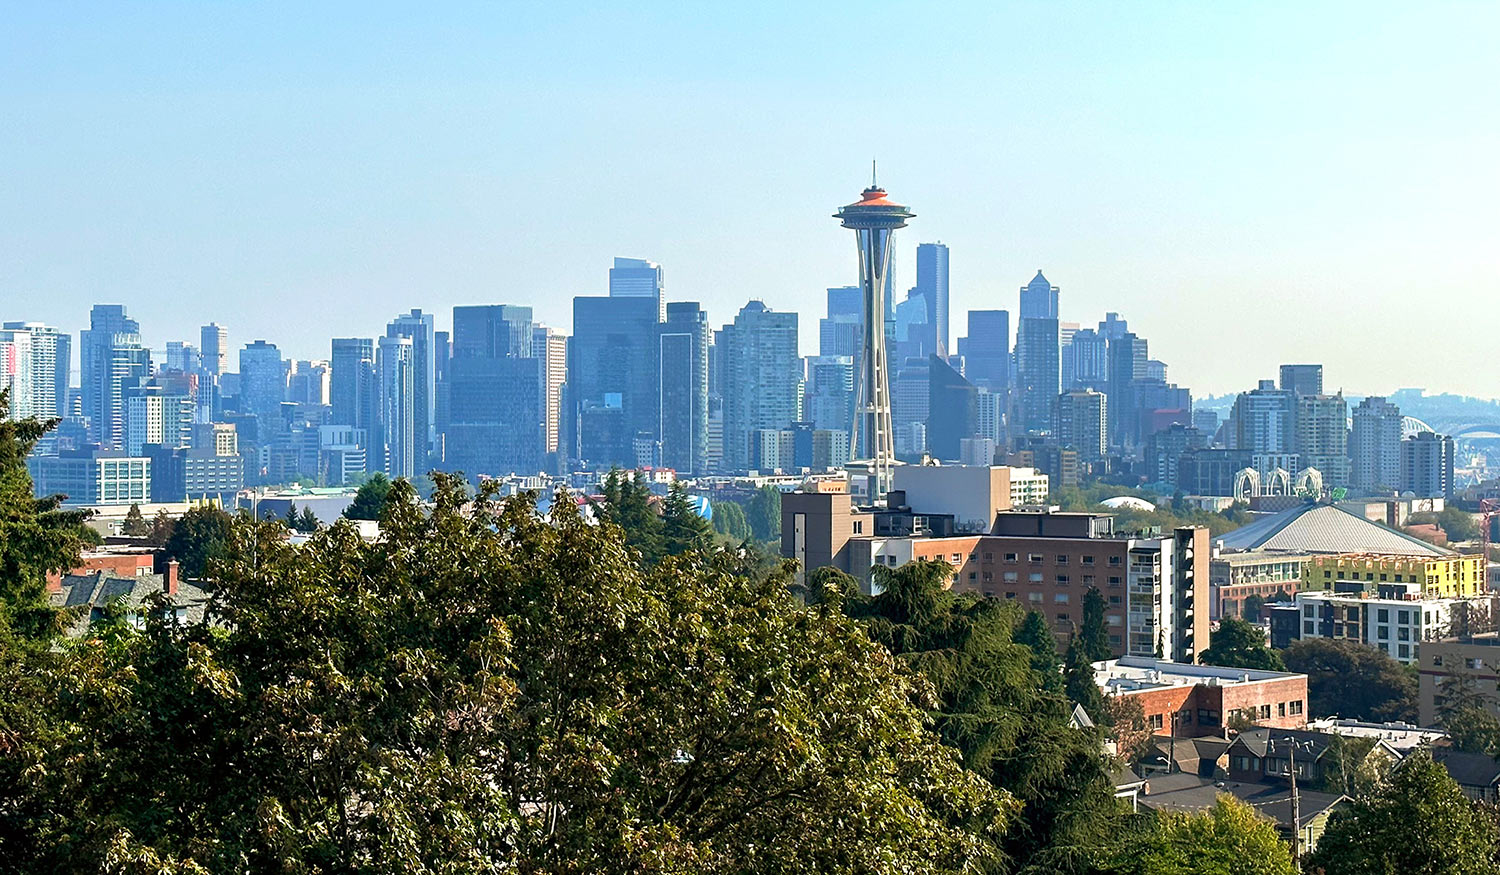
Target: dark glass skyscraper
932 284
1039 299
352 390
986 349
611 371
1038 373
495 393
682 362
112 359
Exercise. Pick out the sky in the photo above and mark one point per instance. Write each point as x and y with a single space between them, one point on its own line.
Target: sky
1247 184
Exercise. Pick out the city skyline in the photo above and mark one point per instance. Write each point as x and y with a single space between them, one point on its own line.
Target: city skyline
184 164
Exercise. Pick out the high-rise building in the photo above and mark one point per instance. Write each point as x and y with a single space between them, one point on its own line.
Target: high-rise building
113 359
1427 465
263 374
155 417
496 389
1113 326
395 362
1039 299
638 278
184 357
308 382
418 326
51 365
352 388
874 218
762 379
213 347
932 285
829 400
1038 374
1263 420
1323 437
1302 379
1085 361
1127 365
612 380
952 409
16 373
682 363
986 349
1375 446
551 348
1082 417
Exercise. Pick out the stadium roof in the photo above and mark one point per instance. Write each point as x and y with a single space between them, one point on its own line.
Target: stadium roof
1325 528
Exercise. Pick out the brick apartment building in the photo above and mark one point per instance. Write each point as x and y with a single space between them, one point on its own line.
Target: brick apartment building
1190 701
1156 589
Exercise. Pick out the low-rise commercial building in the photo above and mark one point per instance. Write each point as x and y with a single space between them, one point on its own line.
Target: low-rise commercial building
1188 701
1266 575
92 477
1395 618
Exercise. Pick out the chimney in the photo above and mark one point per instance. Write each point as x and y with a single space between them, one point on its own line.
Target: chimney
169 580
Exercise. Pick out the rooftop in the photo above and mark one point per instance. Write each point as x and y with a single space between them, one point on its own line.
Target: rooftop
1130 674
1326 528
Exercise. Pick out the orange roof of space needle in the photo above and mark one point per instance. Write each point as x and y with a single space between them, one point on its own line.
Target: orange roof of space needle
874 197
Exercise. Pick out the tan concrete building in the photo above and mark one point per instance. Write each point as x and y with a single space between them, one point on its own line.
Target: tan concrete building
972 494
1467 665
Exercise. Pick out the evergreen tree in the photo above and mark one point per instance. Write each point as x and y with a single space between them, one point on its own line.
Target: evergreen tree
37 535
134 525
290 519
729 520
683 528
369 501
161 529
1037 636
764 514
1078 682
1094 633
308 521
199 537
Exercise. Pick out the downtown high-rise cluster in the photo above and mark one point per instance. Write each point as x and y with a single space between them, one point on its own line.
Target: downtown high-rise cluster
645 382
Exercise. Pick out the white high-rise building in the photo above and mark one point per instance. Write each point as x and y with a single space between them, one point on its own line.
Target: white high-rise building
395 362
1375 446
51 366
16 374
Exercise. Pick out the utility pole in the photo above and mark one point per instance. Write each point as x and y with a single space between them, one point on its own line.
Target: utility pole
1291 746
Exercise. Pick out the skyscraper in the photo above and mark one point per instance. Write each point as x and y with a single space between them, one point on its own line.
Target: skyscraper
1082 415
1085 361
263 375
551 348
1323 436
932 284
352 388
1263 420
112 359
1127 365
51 364
986 349
1427 465
16 373
1039 299
496 389
213 346
612 381
1038 373
418 326
952 408
1302 379
762 379
874 218
1375 446
638 278
395 361
682 358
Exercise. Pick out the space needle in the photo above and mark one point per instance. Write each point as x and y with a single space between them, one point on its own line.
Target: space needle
874 218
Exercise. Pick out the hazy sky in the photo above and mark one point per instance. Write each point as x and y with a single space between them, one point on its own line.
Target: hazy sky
1276 182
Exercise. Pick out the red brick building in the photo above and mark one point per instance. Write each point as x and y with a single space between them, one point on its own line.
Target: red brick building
116 561
1196 700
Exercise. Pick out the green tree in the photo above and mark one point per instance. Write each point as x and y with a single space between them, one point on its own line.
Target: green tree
369 501
134 525
1079 683
1417 823
1094 634
450 698
683 529
1251 609
1472 729
1228 839
161 529
1036 635
763 512
1457 524
37 535
992 706
290 519
1353 680
199 537
308 521
627 504
1238 644
729 519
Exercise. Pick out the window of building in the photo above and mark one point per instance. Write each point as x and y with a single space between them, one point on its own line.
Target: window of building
1114 620
1383 615
989 557
1034 577
1403 616
1404 651
1010 595
1060 598
973 557
1012 576
1064 618
1403 633
1034 597
1438 659
1088 560
1010 557
1062 579
1114 581
1088 580
1114 641
1033 557
1295 707
1154 721
1265 711
1114 560
1185 717
1474 663
989 593
1115 600
1208 717
989 576
955 558
1280 709
973 575
1382 631
859 527
1309 611
1309 627
1062 559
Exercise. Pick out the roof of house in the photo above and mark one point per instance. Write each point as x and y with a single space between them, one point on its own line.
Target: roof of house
1468 769
1325 528
98 589
1191 755
1262 741
1186 792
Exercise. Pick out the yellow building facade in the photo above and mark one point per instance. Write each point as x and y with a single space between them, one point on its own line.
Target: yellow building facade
1442 576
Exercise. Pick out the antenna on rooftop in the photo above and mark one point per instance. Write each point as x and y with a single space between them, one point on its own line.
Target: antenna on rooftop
872 174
